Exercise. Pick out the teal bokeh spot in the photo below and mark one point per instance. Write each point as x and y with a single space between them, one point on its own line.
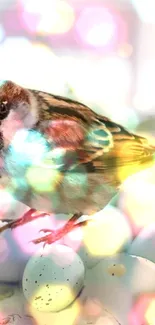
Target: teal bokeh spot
2 82
26 148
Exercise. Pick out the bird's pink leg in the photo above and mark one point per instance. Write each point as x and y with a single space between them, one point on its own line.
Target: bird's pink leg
28 216
59 233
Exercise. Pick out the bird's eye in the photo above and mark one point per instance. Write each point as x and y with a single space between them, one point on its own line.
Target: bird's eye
4 109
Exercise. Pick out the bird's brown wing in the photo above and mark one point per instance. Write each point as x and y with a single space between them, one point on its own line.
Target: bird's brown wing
83 142
99 143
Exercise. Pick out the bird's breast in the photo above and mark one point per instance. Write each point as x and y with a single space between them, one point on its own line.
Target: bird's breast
72 194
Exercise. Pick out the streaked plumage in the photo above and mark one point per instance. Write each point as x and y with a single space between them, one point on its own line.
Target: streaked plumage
93 148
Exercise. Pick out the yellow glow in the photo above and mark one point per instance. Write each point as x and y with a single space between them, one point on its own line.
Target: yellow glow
105 238
125 50
43 179
59 19
138 198
126 171
55 297
66 316
150 313
44 49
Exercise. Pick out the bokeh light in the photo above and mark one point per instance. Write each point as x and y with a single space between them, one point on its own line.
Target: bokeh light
137 199
46 17
65 294
143 310
145 10
125 50
74 239
24 235
98 26
108 234
28 147
67 316
43 179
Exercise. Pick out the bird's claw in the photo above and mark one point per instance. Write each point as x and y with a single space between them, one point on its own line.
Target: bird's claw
48 239
28 216
46 230
55 235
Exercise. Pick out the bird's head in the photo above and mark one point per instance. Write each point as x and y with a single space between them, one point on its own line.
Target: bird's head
13 98
17 110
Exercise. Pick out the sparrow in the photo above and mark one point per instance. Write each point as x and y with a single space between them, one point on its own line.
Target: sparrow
58 156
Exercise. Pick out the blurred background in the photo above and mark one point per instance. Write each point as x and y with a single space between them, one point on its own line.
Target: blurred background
99 52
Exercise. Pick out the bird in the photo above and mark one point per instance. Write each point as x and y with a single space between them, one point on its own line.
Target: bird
59 156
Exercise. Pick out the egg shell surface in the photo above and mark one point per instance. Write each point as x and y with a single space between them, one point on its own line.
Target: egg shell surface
53 278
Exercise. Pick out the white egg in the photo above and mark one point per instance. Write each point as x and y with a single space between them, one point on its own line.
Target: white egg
53 278
108 234
144 244
117 281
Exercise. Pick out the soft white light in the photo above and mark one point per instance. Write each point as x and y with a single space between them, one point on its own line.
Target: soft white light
101 34
32 65
145 10
29 146
144 99
96 26
37 6
52 16
104 81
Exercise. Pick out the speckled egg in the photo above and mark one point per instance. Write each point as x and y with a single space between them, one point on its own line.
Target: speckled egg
53 278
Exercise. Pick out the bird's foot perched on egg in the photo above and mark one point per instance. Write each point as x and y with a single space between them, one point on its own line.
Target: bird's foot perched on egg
57 234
